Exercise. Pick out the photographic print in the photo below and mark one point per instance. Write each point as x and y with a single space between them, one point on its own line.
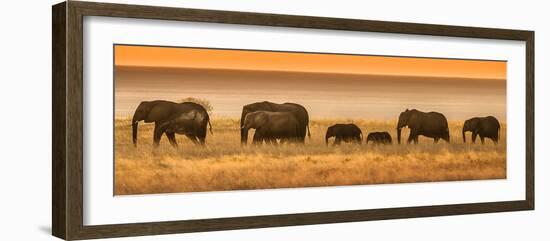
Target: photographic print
203 119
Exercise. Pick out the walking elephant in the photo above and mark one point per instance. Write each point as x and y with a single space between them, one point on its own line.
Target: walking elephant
271 126
379 138
188 118
299 112
344 132
484 127
429 124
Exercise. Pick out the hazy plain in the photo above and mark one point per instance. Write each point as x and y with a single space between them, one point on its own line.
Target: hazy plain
324 95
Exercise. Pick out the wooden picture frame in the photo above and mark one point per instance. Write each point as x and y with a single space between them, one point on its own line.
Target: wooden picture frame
67 149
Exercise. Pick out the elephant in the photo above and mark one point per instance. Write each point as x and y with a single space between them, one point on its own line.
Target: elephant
188 124
379 138
429 124
271 126
484 127
344 132
299 112
188 118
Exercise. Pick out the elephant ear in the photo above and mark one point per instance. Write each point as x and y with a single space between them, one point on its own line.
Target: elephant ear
412 117
261 119
330 131
157 112
474 122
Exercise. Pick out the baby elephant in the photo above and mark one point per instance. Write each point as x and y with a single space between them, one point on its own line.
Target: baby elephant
484 127
344 132
379 138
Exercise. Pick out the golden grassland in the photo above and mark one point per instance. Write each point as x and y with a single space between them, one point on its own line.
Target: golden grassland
223 164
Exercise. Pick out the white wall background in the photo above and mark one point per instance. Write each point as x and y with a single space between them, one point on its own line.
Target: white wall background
25 117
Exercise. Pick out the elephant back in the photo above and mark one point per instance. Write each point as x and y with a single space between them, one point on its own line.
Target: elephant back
160 111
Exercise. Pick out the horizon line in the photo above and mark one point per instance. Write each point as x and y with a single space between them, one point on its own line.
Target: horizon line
302 72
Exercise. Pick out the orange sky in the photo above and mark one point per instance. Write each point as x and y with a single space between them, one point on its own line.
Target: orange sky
305 62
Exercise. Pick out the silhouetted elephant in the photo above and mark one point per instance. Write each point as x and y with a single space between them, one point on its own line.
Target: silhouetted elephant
482 126
344 132
429 124
379 138
188 118
299 112
188 124
271 126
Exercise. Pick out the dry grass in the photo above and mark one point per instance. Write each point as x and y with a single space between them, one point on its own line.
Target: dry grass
224 165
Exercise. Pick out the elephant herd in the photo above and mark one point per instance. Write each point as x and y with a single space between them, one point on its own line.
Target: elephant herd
289 123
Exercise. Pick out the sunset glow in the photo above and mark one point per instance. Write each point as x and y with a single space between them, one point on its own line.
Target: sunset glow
172 57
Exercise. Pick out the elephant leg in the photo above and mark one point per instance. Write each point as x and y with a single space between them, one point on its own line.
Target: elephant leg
157 134
200 133
202 140
290 139
337 141
300 137
436 139
257 139
272 141
301 133
172 138
482 139
192 138
474 136
358 139
244 137
412 137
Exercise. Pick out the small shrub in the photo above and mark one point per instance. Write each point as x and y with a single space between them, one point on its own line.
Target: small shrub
204 102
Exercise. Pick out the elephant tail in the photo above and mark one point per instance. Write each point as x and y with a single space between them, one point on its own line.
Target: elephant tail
134 132
308 132
209 124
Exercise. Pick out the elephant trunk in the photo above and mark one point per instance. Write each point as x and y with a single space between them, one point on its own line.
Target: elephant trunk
134 131
244 133
398 135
